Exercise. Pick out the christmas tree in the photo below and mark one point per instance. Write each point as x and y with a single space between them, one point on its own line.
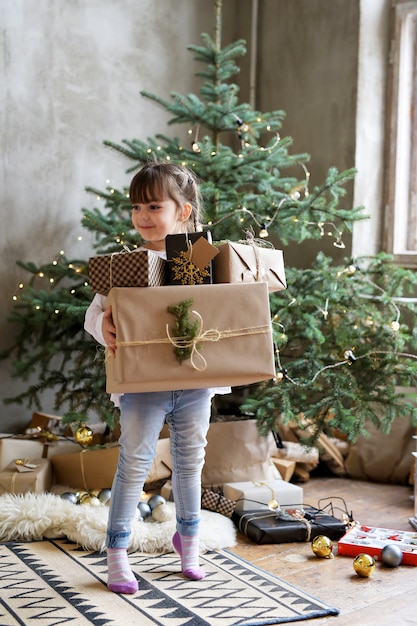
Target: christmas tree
344 334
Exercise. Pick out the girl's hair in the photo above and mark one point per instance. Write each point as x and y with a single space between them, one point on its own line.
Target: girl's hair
162 181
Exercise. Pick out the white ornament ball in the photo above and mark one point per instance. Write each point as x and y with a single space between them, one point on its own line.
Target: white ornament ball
161 513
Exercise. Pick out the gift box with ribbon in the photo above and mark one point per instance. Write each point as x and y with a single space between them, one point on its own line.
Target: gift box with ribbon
252 495
264 526
91 468
249 263
26 476
189 258
94 468
128 268
39 444
190 337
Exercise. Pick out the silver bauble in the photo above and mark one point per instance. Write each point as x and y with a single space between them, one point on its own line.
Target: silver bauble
104 496
144 510
70 496
155 501
391 555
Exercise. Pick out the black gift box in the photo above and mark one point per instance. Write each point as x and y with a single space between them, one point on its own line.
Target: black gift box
181 268
266 526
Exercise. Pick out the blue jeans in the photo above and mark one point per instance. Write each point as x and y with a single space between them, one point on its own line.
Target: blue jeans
142 417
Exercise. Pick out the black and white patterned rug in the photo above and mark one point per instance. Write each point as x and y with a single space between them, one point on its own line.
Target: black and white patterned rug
56 582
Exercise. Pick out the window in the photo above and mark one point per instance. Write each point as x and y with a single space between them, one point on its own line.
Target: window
401 171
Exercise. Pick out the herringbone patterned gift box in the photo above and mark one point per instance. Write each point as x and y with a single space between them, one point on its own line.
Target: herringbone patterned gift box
138 268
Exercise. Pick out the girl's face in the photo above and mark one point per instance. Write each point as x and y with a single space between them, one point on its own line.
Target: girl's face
155 220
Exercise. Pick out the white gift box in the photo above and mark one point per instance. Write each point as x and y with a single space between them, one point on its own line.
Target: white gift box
251 496
14 447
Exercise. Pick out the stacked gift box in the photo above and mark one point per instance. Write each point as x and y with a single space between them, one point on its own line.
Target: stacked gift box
228 317
191 259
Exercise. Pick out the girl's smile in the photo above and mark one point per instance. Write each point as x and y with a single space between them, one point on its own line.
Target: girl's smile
156 219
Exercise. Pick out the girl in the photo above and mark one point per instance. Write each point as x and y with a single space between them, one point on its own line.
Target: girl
165 200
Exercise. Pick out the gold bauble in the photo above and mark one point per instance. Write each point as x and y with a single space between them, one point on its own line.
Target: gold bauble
322 546
84 435
364 565
89 499
80 494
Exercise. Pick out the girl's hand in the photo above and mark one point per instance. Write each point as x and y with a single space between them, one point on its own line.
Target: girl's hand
109 331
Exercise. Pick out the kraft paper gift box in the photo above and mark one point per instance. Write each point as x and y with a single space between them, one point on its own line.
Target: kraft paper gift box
246 263
136 268
94 468
88 469
189 258
233 343
26 476
265 527
252 495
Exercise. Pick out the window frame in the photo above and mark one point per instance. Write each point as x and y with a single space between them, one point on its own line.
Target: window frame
400 233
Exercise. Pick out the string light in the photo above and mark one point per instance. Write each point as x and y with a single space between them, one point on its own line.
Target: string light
194 144
264 231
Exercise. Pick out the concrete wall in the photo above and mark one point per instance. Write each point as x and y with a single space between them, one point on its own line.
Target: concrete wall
71 76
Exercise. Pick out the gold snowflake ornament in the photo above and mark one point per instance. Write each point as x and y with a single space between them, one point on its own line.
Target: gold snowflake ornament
186 272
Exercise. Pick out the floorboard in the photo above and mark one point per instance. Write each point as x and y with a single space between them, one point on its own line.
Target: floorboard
388 597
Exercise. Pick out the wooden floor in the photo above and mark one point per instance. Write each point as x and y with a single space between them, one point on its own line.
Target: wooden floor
387 598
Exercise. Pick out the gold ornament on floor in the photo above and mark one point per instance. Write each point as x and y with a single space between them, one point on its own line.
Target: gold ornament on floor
364 565
83 435
322 546
89 499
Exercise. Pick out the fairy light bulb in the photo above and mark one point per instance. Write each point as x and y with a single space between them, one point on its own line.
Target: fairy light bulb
395 326
349 356
264 231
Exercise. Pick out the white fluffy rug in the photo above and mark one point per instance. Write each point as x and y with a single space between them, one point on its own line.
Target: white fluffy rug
35 516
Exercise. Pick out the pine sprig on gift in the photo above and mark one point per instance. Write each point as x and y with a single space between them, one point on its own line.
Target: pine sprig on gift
185 330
